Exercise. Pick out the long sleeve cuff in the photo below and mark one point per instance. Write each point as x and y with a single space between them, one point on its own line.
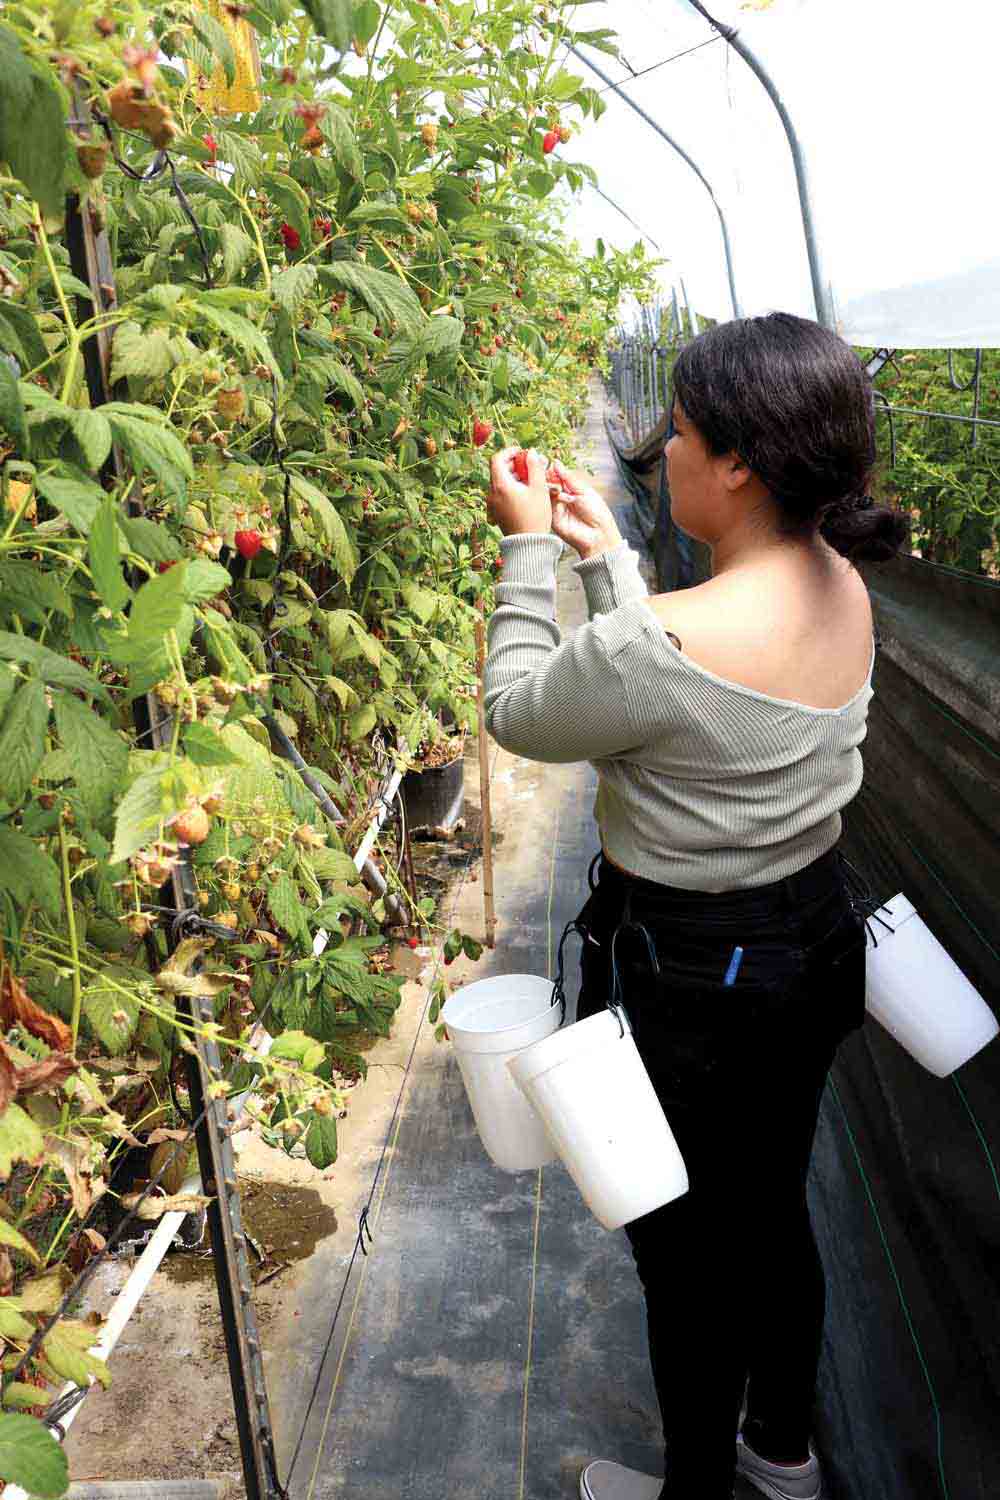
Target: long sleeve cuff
611 578
528 578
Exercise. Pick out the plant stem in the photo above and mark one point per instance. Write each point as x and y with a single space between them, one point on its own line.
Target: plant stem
74 946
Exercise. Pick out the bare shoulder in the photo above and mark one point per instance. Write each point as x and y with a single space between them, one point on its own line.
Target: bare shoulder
797 632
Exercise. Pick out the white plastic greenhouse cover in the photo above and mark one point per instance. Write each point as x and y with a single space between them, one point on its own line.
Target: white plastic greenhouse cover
894 103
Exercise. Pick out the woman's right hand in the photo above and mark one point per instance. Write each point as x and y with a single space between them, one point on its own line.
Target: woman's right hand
580 516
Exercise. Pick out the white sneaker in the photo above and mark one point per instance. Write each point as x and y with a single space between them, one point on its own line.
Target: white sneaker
604 1480
779 1481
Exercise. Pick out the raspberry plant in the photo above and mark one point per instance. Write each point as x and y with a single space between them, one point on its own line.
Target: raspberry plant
325 312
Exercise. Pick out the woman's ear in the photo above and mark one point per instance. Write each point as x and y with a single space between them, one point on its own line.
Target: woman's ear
736 472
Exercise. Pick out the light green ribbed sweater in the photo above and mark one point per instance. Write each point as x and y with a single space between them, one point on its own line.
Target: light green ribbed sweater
702 783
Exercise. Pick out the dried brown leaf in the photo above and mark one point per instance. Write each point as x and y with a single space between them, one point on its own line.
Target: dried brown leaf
18 1008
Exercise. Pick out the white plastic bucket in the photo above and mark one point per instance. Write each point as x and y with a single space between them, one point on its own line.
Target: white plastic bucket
489 1022
589 1085
920 995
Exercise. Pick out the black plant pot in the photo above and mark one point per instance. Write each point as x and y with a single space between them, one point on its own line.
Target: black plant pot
433 796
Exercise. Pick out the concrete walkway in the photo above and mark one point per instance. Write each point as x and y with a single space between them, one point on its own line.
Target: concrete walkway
496 1338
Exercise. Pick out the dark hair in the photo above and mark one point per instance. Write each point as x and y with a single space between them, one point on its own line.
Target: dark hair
795 402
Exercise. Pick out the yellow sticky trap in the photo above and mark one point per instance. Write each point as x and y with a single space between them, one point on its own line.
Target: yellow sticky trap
242 96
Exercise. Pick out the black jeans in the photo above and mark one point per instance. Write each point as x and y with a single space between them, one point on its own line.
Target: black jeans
732 1277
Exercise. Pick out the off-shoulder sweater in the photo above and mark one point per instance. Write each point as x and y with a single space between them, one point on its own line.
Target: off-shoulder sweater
703 783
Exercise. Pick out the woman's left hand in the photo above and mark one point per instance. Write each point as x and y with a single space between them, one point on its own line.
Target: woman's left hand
517 507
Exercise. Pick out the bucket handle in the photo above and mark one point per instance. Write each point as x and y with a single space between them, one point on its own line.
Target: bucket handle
616 1004
862 901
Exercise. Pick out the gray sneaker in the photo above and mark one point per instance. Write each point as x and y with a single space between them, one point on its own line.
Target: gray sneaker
604 1480
780 1481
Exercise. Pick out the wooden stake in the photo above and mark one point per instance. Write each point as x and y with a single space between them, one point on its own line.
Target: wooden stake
484 764
484 789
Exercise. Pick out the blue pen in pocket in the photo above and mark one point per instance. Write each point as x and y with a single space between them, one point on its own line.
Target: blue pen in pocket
734 966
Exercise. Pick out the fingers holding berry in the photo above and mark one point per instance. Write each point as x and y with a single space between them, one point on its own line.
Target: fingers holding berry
518 499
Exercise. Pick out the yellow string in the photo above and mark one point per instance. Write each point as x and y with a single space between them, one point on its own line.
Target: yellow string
538 1197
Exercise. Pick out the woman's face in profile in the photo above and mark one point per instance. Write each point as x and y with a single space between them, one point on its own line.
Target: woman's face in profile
690 477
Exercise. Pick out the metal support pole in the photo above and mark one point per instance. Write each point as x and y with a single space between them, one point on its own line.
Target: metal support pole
692 315
822 295
683 154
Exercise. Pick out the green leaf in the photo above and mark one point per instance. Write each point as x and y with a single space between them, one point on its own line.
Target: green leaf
285 907
98 756
334 530
333 864
93 434
33 135
77 499
237 248
111 1014
157 606
238 329
321 1140
390 299
12 408
138 814
246 159
206 748
341 378
16 1240
149 539
140 351
333 19
292 286
28 872
17 1394
150 446
292 200
66 1348
212 35
19 333
361 723
203 579
52 668
564 85
20 1140
31 1457
336 126
366 18
22 740
32 594
105 557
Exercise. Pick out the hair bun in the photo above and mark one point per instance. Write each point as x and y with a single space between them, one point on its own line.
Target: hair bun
863 531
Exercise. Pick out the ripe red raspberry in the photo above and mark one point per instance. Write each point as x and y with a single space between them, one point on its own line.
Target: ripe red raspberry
481 432
413 942
211 145
520 466
550 141
248 543
291 237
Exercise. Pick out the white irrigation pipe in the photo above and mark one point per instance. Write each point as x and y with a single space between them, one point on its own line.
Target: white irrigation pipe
148 1264
125 1305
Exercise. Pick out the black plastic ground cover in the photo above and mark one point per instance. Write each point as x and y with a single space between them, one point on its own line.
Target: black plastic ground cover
904 1189
500 1340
